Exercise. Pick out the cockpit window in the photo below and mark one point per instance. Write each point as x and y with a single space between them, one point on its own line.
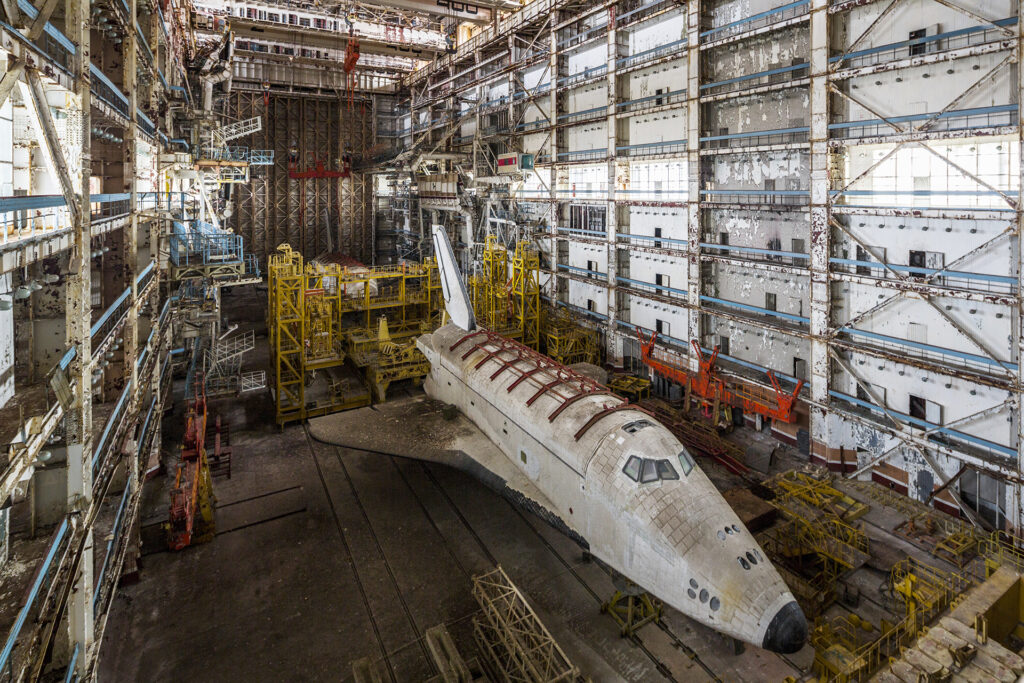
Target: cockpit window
632 468
649 472
635 426
686 462
666 471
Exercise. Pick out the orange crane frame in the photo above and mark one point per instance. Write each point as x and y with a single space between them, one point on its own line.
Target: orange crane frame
709 385
185 494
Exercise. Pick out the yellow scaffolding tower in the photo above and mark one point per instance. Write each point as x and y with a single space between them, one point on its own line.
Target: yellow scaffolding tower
490 289
286 328
567 341
316 312
526 293
506 293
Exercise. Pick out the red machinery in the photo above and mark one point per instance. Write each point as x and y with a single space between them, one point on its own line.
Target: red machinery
709 385
191 513
349 65
319 169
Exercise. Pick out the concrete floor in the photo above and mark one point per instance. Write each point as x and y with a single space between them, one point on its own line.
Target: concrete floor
325 554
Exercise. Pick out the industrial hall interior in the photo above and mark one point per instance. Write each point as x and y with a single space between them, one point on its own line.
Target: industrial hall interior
528 341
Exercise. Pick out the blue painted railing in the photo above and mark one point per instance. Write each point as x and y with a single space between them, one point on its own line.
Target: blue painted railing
42 577
928 426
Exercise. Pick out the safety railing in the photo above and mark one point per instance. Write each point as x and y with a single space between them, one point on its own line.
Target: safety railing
643 103
935 432
793 258
639 286
580 233
236 153
673 48
579 77
108 206
939 354
756 21
584 115
112 317
1003 115
584 272
726 306
780 136
203 244
111 428
40 586
145 124
99 595
941 277
962 200
949 40
594 315
665 195
261 157
584 154
104 89
642 13
651 148
784 74
759 197
652 242
581 37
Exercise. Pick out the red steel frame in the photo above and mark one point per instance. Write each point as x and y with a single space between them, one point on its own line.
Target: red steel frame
709 385
185 494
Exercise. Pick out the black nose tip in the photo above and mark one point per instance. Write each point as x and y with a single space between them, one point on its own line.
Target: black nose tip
787 631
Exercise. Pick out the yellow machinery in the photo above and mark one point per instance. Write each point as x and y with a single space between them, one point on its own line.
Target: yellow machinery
567 341
319 314
849 649
395 361
815 490
506 294
818 542
630 387
526 293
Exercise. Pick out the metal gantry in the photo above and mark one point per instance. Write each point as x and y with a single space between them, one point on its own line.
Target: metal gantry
321 315
844 155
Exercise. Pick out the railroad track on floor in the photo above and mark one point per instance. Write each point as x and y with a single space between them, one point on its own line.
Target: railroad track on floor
385 655
570 569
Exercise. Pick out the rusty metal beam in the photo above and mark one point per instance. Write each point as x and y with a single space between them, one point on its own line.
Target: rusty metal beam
955 423
974 15
856 43
15 70
54 147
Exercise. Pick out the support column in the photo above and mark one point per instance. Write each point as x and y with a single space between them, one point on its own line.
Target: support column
1015 501
694 285
78 417
130 260
821 231
612 215
553 207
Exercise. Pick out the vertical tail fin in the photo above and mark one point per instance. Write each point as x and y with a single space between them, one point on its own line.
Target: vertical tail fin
456 299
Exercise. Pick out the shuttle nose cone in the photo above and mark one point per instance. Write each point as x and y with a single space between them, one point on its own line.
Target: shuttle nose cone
787 631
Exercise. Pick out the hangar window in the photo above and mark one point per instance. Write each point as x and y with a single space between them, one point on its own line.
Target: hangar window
686 462
666 471
646 470
632 468
635 426
649 472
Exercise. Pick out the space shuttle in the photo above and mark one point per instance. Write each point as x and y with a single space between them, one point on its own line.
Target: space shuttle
608 474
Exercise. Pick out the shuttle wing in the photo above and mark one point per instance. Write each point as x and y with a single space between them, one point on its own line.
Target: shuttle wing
456 299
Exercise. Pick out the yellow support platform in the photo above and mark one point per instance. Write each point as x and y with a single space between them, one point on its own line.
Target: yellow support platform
319 314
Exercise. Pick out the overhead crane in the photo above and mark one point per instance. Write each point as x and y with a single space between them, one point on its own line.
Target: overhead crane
710 386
